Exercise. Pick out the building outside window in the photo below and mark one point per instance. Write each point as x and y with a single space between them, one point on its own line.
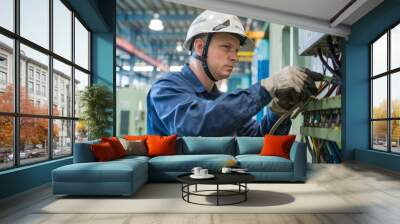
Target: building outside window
44 77
37 74
3 72
30 72
3 78
43 90
30 87
38 89
3 61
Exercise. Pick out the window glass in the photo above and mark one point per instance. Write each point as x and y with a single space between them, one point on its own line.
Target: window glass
7 14
81 45
6 74
379 97
34 21
81 131
33 140
62 89
379 56
62 138
395 47
379 135
62 29
32 58
395 136
34 80
6 142
395 95
81 81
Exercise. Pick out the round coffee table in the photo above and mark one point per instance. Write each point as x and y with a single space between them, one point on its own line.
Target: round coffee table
238 179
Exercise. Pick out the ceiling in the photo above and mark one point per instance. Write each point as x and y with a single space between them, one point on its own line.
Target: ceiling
159 47
133 17
326 16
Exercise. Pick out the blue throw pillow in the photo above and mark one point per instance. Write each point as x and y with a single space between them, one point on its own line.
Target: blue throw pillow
249 145
83 153
208 145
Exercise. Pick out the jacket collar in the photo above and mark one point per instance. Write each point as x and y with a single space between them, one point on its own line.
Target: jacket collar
192 78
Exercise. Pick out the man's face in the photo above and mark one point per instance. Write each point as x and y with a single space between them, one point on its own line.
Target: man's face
222 55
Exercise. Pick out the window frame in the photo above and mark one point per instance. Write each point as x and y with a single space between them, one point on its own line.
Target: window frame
388 74
16 114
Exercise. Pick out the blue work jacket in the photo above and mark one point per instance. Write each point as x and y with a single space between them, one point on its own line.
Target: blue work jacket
178 103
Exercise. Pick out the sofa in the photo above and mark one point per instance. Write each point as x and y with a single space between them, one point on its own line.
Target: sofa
126 175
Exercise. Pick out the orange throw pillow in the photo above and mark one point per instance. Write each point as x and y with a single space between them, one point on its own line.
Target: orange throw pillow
161 145
277 145
135 137
103 152
116 145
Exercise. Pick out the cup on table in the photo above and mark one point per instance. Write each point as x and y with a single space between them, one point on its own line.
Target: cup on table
226 170
203 172
196 170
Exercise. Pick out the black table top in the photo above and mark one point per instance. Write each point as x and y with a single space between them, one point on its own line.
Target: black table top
220 178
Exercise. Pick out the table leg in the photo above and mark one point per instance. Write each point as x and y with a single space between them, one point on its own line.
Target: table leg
182 188
217 194
188 189
196 188
245 191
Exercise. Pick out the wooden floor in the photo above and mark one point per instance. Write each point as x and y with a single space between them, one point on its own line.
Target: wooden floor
377 188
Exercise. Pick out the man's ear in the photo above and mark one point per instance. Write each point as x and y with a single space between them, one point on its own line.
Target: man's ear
198 46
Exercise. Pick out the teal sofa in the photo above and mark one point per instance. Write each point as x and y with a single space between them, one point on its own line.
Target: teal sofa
125 176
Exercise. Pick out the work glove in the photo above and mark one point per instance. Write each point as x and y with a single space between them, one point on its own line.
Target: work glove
276 108
286 98
287 79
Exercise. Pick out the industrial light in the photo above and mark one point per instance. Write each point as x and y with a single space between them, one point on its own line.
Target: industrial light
155 23
175 68
139 68
126 67
179 47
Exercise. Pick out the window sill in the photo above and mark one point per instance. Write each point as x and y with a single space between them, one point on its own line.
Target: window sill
26 167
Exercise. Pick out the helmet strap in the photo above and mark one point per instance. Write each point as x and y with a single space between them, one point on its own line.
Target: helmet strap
203 57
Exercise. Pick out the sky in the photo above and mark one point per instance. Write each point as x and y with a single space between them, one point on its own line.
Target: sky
379 60
35 27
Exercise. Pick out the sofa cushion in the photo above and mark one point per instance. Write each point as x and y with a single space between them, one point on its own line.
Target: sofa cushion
112 171
185 163
206 145
249 145
161 145
103 151
83 152
257 163
130 158
135 137
134 147
116 145
277 145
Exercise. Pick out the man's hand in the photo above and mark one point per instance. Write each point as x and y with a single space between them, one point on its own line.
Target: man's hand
286 96
288 78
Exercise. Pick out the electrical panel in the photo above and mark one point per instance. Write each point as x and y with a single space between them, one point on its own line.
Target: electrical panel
321 127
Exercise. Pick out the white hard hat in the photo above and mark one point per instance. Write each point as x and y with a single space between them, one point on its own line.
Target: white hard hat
216 22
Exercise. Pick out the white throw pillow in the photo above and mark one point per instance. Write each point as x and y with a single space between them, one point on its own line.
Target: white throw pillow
137 147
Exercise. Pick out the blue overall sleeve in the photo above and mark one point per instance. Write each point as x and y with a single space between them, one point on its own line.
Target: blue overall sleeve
252 128
184 113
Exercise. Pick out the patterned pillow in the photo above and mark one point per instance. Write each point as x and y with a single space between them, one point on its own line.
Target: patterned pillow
136 147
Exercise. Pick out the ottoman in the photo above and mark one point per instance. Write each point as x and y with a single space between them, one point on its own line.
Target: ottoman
119 177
